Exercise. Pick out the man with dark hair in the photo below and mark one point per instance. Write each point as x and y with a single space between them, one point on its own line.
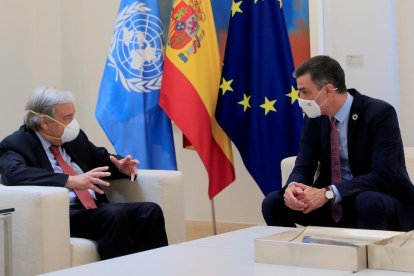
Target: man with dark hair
354 143
51 150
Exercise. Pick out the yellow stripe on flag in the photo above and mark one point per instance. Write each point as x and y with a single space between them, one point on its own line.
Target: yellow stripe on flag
192 55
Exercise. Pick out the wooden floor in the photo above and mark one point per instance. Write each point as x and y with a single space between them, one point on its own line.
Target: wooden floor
202 229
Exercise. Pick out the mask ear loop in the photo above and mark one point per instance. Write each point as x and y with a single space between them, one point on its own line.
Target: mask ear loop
333 89
323 89
34 112
37 113
53 119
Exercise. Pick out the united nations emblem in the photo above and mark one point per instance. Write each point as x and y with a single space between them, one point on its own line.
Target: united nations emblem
136 50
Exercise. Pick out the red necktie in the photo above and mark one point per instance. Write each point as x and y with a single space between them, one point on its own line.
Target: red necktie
336 168
83 195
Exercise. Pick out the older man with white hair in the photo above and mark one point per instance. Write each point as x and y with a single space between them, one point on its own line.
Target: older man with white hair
51 150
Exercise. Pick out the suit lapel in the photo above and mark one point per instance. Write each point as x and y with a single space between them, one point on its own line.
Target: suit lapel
40 153
354 118
74 157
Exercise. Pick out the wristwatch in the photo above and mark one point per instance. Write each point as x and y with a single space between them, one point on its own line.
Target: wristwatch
329 194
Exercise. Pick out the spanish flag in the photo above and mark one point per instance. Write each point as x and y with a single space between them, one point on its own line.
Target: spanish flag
190 86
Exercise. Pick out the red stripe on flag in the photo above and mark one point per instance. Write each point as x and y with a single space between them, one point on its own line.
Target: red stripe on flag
184 106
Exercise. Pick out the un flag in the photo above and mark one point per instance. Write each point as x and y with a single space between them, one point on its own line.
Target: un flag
127 106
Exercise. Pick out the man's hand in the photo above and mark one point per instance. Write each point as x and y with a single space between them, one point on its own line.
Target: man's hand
314 198
293 195
88 179
126 165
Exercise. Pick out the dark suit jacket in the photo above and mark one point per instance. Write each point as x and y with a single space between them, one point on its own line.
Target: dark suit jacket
375 152
23 160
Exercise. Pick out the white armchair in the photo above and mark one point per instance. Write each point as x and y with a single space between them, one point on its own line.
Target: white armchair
41 238
288 163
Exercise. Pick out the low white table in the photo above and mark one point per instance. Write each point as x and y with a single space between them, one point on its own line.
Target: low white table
226 254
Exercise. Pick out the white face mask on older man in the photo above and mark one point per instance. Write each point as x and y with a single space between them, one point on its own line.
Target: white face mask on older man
310 107
70 132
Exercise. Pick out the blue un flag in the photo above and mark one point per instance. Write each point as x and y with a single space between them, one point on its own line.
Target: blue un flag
257 105
127 106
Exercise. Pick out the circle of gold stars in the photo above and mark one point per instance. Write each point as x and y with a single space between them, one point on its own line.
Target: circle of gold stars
268 105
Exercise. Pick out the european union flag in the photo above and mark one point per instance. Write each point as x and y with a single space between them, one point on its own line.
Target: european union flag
257 105
127 107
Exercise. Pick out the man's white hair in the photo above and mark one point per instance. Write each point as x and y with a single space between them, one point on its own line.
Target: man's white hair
43 101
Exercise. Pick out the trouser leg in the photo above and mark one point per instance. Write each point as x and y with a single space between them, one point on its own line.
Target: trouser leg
120 228
375 210
148 227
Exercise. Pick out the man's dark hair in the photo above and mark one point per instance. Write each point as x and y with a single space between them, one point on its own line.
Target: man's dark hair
323 70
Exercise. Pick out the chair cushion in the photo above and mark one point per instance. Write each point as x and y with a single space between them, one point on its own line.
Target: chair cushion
83 251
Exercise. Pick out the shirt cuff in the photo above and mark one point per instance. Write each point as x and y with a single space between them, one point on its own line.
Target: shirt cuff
291 183
338 197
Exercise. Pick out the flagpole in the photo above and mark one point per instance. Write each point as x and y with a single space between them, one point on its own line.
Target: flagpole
213 217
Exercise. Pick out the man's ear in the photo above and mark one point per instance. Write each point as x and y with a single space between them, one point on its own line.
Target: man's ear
329 88
43 123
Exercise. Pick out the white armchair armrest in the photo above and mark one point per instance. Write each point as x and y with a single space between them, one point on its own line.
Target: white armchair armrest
287 166
160 186
40 228
409 161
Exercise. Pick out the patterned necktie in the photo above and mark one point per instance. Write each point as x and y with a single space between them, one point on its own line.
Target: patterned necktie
83 195
336 168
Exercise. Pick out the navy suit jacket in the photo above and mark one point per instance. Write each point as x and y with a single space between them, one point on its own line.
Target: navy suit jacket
375 151
23 160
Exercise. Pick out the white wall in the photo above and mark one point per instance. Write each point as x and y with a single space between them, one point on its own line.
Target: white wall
367 29
86 34
65 42
29 54
381 32
405 39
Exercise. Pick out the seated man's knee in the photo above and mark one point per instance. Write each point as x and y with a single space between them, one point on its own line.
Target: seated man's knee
151 211
153 208
113 216
270 206
375 210
369 201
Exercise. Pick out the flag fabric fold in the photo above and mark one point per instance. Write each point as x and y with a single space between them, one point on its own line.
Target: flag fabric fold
190 88
257 104
128 102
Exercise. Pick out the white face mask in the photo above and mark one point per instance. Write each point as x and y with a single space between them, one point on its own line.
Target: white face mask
310 107
70 132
